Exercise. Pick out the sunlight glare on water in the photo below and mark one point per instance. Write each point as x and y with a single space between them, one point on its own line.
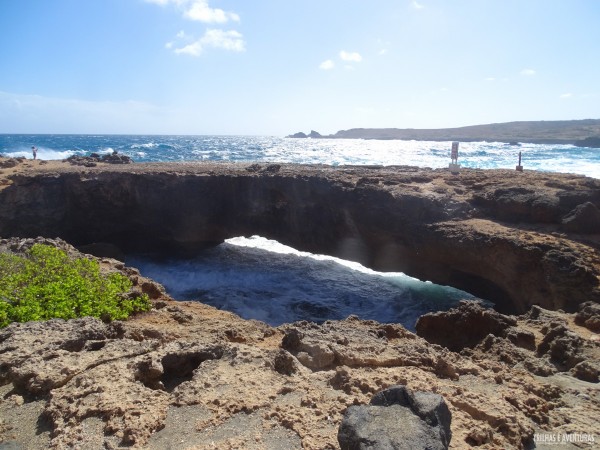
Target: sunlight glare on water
261 279
481 155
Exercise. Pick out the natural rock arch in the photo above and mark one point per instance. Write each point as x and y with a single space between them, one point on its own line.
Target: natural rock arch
452 230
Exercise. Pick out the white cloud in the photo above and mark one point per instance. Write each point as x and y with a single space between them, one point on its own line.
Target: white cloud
528 72
199 10
490 79
350 56
226 40
417 5
194 49
327 65
567 95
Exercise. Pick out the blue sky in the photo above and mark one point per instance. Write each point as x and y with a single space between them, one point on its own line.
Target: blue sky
274 67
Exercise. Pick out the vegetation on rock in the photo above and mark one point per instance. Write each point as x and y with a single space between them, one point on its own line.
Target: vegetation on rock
47 283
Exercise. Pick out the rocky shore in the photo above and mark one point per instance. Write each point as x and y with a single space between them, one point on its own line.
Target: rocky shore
186 375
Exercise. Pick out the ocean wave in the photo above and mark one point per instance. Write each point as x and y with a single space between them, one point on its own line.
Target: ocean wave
335 152
42 153
262 279
147 145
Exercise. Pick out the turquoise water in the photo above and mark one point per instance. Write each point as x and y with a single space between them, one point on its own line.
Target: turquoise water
262 279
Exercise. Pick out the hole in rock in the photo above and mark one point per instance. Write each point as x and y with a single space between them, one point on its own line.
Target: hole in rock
80 344
179 367
74 345
261 279
94 346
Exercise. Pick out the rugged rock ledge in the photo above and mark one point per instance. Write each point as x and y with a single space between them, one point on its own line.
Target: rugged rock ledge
186 375
516 238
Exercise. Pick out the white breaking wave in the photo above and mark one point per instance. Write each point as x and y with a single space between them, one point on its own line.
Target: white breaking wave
273 246
262 279
42 153
147 145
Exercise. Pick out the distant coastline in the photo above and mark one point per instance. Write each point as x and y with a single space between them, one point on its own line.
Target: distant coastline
584 133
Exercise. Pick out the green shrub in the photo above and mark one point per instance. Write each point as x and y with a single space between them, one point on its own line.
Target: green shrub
47 283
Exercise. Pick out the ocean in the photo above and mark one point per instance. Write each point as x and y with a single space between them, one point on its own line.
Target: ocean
261 279
484 155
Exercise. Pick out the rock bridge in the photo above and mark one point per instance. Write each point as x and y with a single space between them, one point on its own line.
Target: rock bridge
517 239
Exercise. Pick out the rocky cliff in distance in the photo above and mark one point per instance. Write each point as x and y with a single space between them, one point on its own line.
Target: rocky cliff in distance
593 142
537 132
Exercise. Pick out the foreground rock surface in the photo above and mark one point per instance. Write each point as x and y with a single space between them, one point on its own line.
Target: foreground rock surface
186 375
189 376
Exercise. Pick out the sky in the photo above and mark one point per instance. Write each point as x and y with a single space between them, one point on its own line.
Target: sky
276 67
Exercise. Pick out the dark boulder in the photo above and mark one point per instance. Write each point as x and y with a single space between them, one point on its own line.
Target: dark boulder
94 158
397 419
115 158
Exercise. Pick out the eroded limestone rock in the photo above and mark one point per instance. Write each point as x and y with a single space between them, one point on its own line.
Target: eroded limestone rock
589 316
196 377
464 326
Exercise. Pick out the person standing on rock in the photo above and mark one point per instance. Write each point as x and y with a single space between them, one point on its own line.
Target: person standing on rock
34 151
454 153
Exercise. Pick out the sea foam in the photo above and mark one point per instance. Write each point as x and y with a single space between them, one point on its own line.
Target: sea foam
262 279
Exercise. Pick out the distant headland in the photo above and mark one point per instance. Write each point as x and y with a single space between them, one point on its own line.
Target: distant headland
584 133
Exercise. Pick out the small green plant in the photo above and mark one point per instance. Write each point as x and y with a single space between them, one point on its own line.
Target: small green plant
47 283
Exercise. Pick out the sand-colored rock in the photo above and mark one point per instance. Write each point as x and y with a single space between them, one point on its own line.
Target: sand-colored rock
186 375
